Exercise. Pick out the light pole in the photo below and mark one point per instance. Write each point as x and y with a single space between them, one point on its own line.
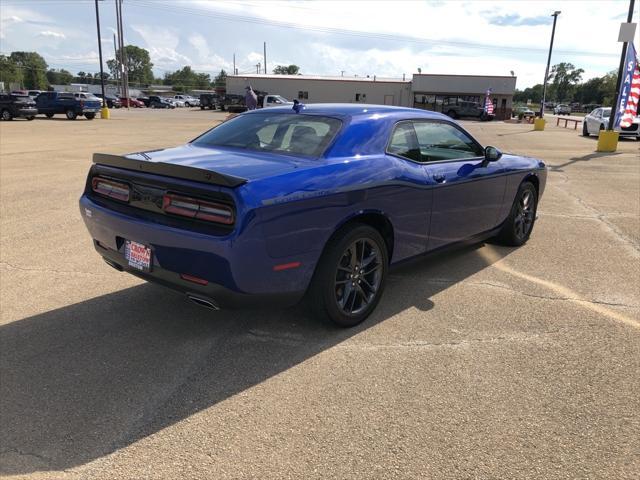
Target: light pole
104 112
546 73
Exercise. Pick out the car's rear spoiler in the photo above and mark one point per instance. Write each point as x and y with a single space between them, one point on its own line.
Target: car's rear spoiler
169 170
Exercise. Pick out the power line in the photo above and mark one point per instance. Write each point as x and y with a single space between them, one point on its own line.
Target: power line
356 33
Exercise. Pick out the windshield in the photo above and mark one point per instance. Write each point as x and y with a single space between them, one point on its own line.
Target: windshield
306 135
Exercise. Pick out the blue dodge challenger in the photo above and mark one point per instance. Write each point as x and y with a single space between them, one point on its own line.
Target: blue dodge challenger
317 201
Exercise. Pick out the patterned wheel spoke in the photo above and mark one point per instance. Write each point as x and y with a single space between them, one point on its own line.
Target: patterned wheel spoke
358 276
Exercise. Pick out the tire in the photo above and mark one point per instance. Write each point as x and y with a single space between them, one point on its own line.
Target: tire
90 116
153 105
518 226
48 115
6 115
31 117
71 114
201 107
339 299
452 114
601 127
585 129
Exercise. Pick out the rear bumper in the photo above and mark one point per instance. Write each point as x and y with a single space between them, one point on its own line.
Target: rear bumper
217 295
238 269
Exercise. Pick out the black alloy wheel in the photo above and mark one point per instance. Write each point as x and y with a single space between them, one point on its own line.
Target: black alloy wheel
350 276
517 228
358 276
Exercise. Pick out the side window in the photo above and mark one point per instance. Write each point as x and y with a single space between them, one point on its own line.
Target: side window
442 141
403 142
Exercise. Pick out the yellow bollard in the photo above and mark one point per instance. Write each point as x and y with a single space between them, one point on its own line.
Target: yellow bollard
104 113
607 141
538 124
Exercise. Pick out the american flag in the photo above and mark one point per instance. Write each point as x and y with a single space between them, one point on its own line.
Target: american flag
629 89
488 104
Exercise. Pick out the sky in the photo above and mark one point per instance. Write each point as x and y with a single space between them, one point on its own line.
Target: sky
383 38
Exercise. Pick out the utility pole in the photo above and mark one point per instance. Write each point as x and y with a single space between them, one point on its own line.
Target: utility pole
623 55
258 68
115 53
546 73
234 64
123 55
119 52
103 113
265 58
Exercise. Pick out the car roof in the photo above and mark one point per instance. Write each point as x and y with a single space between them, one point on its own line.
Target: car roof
356 110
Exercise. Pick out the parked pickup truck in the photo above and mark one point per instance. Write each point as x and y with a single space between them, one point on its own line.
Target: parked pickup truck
52 103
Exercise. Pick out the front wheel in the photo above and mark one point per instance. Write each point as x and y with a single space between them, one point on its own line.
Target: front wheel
48 115
585 130
31 117
90 116
6 115
350 276
518 226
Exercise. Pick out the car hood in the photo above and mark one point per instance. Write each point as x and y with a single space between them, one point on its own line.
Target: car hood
228 161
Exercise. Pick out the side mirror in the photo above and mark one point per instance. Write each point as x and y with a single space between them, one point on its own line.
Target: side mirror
492 154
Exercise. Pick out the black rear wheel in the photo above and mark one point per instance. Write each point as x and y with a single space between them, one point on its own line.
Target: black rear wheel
6 115
48 115
350 276
519 224
71 114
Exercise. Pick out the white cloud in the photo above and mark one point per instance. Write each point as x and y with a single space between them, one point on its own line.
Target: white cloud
52 34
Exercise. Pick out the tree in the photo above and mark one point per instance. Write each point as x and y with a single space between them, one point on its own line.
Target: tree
9 71
139 66
186 79
564 76
286 70
609 88
33 68
221 80
530 93
82 77
59 77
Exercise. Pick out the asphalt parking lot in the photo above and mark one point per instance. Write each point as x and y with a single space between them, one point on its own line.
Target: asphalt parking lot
489 362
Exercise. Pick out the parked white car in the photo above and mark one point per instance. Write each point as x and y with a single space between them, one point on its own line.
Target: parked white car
562 109
598 120
186 101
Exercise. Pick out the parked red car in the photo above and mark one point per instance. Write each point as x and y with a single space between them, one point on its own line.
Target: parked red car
131 102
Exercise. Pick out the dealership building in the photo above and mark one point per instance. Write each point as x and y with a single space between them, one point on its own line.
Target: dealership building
426 91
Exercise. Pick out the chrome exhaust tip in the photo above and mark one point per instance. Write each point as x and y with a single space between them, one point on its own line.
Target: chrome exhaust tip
203 302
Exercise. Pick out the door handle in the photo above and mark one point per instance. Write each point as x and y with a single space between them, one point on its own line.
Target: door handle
439 177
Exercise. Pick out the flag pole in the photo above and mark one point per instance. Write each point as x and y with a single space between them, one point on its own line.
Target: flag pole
623 56
608 139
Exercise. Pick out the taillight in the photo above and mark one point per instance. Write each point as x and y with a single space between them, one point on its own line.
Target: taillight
200 209
110 188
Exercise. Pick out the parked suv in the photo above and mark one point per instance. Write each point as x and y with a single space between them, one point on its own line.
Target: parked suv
456 108
12 106
209 100
156 101
562 109
112 100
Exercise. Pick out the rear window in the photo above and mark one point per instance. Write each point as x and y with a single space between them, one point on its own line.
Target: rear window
305 135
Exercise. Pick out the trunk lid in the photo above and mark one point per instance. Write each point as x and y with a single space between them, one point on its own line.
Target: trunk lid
226 161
